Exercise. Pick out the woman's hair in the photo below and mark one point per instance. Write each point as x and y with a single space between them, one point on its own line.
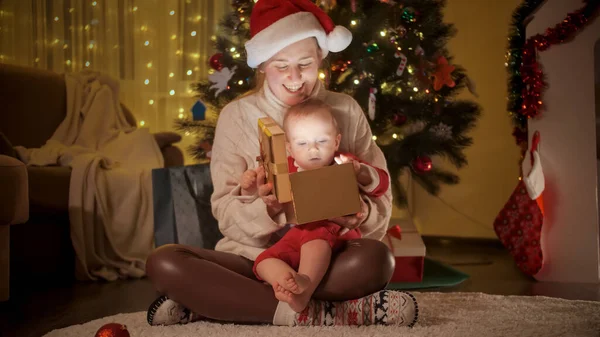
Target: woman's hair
309 107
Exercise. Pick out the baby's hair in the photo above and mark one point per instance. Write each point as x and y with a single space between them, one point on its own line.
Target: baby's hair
308 108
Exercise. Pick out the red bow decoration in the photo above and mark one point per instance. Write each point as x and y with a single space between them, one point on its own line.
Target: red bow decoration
395 231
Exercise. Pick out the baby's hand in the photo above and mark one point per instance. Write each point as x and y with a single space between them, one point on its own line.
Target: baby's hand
362 174
344 159
248 182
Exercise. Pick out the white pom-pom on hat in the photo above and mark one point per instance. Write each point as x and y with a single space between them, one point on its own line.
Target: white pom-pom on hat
275 24
338 39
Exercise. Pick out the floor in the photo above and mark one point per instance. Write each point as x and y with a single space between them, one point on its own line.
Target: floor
34 312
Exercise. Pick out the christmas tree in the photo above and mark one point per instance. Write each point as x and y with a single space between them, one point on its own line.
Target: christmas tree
397 68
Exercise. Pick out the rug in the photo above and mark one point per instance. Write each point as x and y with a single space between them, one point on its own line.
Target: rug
441 314
435 275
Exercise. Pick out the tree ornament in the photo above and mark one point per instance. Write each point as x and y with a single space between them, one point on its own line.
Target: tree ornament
442 131
372 102
199 111
372 48
401 31
344 75
112 330
422 164
409 14
215 61
220 79
399 119
402 64
443 74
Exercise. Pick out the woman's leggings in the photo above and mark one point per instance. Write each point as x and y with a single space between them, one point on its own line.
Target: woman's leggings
221 286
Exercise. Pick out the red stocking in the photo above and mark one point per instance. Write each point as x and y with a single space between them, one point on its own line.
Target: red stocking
519 224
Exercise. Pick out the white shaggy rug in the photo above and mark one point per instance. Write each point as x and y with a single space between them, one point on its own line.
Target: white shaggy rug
441 314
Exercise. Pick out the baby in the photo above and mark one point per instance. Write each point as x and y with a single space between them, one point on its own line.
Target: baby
295 265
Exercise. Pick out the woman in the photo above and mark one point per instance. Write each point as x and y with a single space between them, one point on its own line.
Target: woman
289 40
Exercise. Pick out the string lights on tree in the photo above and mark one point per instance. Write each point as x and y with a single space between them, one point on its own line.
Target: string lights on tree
397 68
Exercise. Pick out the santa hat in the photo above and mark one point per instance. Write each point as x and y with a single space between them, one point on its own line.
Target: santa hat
275 24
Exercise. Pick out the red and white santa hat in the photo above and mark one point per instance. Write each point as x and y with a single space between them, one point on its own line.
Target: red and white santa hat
275 24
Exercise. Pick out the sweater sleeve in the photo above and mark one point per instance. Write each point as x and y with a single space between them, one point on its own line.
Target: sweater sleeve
242 219
365 148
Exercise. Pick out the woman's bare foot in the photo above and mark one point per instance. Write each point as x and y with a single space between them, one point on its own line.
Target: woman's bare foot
296 283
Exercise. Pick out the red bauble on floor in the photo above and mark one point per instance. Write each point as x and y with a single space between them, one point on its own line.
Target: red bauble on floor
112 330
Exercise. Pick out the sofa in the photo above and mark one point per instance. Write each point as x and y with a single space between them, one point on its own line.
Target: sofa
35 244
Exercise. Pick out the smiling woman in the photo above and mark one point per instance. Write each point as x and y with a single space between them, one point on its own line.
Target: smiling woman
290 38
293 72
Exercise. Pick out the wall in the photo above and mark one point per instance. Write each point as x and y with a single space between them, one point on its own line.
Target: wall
570 235
469 209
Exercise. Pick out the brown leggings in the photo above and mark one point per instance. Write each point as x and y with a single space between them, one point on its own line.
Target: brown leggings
221 286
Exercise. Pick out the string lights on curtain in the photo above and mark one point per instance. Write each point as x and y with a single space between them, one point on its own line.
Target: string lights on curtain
155 48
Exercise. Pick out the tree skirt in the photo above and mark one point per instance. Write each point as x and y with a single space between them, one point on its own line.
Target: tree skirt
441 314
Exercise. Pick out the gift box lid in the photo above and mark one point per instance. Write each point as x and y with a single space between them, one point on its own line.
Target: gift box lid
410 242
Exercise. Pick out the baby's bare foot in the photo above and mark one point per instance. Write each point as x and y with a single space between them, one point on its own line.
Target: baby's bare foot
297 283
299 302
281 293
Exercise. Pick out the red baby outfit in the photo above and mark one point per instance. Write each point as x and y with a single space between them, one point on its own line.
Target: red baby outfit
288 248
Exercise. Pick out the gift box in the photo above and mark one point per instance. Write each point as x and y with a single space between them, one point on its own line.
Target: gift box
181 204
408 248
307 196
274 158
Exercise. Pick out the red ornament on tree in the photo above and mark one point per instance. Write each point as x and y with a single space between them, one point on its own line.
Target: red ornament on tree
422 164
215 61
112 330
399 119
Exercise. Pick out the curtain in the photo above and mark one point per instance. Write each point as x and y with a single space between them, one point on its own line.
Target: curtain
156 48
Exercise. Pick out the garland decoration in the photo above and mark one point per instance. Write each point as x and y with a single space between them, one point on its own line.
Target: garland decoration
526 78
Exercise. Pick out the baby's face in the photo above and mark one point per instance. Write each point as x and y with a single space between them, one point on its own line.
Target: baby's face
312 140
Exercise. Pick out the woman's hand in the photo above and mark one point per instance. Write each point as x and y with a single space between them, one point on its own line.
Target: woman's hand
353 221
265 192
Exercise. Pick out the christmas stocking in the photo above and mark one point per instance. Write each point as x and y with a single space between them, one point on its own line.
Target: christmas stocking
519 224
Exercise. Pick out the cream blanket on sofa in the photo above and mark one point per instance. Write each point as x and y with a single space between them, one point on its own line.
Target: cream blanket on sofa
110 196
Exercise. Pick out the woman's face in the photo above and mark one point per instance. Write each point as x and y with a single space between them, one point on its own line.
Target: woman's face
293 72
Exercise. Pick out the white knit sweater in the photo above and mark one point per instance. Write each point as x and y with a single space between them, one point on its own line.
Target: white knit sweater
244 222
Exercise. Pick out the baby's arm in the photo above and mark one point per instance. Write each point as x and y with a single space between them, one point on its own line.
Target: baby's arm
248 183
372 180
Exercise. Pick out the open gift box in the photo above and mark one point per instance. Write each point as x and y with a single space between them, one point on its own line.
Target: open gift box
408 248
307 196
